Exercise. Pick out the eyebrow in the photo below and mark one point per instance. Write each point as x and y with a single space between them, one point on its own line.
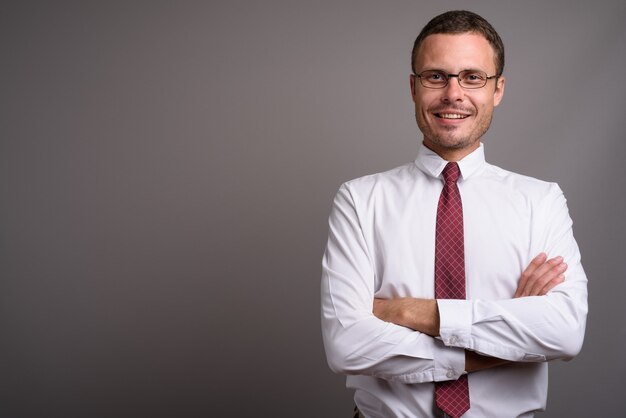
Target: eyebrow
447 72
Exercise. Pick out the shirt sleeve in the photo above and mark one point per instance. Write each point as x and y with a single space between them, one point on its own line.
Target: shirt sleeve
357 342
536 328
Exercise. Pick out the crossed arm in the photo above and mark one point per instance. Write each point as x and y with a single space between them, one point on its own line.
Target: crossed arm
422 315
543 319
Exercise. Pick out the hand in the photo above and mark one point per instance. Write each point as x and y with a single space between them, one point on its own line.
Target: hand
541 276
418 314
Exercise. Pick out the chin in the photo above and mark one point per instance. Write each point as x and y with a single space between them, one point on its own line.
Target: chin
453 143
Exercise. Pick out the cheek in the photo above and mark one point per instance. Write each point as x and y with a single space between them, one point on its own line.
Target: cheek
488 107
424 102
421 111
484 105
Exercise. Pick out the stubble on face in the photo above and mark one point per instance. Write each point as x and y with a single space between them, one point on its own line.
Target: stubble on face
447 136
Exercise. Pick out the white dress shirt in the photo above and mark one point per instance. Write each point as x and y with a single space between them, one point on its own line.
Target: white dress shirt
381 244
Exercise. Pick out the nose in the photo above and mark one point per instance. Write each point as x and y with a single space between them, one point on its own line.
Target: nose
453 91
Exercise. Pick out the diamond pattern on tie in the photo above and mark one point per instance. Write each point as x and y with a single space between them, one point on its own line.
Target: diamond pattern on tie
451 396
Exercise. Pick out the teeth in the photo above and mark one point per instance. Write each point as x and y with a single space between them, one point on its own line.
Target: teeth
452 116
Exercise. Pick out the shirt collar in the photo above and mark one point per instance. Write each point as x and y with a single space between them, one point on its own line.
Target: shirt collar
431 163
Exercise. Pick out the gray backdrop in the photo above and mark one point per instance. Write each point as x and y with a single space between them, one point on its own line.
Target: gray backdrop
167 169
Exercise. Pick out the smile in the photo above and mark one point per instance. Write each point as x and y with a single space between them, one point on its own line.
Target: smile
451 116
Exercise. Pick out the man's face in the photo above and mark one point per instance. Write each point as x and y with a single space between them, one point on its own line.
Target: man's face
453 119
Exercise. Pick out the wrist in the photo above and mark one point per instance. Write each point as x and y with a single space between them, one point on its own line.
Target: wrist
424 316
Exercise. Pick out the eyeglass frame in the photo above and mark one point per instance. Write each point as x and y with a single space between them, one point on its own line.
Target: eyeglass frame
458 78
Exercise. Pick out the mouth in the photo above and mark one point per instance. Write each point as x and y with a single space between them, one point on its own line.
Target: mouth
442 115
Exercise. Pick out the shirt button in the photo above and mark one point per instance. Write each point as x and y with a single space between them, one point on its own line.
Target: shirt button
454 339
450 374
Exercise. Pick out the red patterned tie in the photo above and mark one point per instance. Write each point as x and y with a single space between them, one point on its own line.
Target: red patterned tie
451 396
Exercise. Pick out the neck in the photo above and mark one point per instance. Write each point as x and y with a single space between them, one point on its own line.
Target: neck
451 154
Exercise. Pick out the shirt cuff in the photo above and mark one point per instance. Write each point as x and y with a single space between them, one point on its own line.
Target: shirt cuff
455 322
449 363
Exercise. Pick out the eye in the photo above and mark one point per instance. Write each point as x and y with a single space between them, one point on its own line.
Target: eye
434 79
473 77
435 76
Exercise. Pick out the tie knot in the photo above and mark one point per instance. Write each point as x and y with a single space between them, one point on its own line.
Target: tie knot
451 172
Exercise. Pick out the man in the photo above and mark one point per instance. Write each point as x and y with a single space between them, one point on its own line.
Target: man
444 286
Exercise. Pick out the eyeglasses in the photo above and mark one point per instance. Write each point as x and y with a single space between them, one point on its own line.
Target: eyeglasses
468 79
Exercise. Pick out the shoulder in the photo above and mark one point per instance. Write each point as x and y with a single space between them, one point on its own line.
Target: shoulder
530 187
387 180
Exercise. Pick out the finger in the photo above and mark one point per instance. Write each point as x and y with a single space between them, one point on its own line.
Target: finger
537 262
538 276
551 284
550 273
554 278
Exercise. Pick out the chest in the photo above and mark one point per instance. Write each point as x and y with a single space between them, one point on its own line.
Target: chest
497 238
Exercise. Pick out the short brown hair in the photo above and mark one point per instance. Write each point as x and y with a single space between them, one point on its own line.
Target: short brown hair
462 21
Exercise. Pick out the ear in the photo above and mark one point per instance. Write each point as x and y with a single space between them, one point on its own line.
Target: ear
497 95
412 80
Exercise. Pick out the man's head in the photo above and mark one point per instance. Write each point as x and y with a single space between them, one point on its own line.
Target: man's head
457 63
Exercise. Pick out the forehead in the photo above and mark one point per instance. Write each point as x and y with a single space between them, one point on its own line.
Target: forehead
456 52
